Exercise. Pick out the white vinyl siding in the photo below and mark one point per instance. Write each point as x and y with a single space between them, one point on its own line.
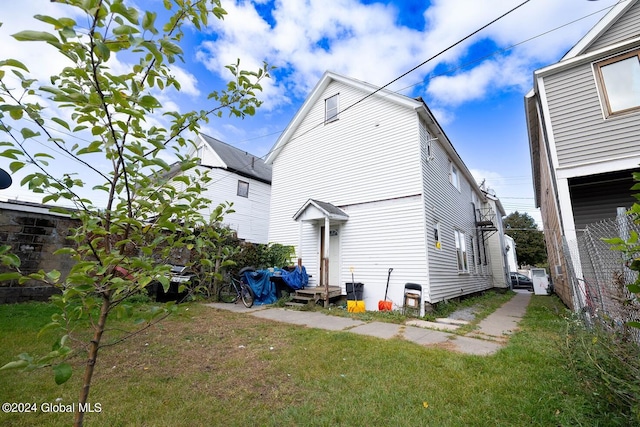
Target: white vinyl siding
370 154
453 210
251 217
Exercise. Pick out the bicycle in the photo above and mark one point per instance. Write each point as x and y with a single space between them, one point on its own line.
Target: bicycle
236 289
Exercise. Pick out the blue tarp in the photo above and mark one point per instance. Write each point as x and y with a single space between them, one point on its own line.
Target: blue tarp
265 289
296 279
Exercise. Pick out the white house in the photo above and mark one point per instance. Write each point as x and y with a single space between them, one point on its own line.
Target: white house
512 256
241 178
365 180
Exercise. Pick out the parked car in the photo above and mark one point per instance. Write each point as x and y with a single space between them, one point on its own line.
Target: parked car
521 281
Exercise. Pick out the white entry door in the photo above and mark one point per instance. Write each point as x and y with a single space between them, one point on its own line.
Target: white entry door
334 256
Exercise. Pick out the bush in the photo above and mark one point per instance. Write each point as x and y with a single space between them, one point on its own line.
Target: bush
609 368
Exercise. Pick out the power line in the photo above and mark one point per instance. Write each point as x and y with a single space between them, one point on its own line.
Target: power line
402 75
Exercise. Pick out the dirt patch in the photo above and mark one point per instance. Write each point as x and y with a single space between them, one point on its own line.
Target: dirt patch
199 348
466 313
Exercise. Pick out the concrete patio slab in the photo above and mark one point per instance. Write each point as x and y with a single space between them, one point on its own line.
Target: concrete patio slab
378 329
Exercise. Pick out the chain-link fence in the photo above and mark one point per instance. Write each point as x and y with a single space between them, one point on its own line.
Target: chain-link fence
599 276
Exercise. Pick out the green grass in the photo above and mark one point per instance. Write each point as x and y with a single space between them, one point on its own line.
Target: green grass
210 367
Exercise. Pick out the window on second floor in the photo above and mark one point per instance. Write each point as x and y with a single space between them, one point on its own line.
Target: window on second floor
243 188
619 83
331 109
453 175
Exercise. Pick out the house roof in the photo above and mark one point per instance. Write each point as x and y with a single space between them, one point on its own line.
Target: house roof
600 28
326 209
416 104
239 161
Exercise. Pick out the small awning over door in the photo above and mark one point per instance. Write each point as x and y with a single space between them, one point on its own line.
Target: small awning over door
317 210
324 214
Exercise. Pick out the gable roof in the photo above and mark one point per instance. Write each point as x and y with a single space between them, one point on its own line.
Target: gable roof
416 104
315 95
600 28
239 161
326 209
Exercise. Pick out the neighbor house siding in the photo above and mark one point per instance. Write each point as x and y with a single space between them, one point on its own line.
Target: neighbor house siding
582 136
553 234
369 154
251 217
626 27
453 210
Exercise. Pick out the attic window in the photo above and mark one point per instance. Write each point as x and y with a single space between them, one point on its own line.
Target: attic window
619 83
331 109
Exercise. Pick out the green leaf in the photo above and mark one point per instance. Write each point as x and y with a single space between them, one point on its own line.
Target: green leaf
148 20
16 166
53 276
16 364
125 29
634 288
13 63
28 133
634 324
10 276
35 36
16 114
61 123
130 13
62 372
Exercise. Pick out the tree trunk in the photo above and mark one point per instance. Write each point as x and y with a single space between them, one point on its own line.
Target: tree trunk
94 345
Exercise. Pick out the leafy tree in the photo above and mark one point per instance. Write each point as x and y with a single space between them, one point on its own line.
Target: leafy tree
529 240
104 117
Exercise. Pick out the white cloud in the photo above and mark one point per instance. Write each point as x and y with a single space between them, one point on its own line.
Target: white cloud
366 42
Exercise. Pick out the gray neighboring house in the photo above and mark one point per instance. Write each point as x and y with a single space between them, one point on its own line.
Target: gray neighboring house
583 118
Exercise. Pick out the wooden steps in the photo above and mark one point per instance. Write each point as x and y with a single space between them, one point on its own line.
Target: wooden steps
312 295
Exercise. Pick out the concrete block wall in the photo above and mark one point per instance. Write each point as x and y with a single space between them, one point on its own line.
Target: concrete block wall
34 235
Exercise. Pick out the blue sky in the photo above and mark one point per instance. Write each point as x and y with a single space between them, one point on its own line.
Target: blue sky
476 90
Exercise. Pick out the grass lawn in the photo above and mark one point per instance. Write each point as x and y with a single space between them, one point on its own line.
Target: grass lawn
210 367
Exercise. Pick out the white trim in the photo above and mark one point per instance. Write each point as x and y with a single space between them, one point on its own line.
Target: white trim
610 50
210 149
600 28
547 128
566 211
35 209
597 167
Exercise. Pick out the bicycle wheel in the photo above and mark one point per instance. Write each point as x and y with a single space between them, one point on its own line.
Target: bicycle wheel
227 293
247 295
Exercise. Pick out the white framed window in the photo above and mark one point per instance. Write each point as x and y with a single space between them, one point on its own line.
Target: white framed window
472 252
454 177
243 188
331 108
619 83
461 251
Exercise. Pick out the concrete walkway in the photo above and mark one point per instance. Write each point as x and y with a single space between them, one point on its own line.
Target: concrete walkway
491 334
